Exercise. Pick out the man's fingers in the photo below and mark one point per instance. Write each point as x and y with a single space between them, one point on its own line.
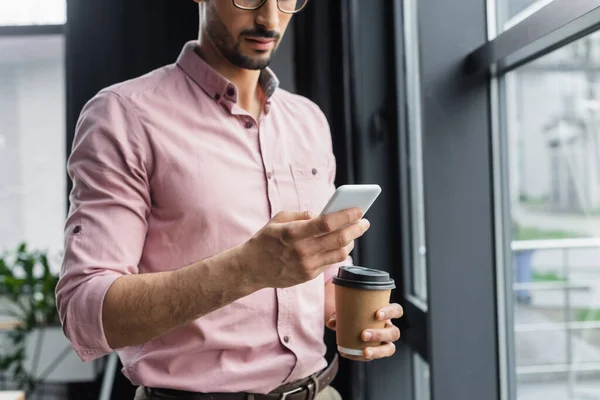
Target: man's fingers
330 223
393 311
388 334
385 350
331 324
335 256
341 238
290 216
355 358
373 353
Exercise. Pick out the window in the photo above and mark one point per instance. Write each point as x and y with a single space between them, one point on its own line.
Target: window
32 133
511 12
410 132
417 276
553 134
544 92
510 165
33 12
454 335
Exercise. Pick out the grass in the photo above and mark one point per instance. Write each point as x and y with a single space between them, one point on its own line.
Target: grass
534 201
588 315
537 276
530 233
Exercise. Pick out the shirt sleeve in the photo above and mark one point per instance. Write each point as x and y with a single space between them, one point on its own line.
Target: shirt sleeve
107 223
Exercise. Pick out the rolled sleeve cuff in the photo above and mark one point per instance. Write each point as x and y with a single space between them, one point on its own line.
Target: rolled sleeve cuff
84 325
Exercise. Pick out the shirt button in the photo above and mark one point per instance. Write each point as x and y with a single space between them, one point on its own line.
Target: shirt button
249 124
230 92
77 229
269 175
217 96
314 171
286 339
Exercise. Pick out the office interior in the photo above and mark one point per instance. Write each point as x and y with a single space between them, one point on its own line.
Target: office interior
480 119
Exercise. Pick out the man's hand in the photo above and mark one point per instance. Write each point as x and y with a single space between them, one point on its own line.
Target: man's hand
388 335
295 247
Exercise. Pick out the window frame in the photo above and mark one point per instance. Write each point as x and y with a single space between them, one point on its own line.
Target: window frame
31 30
461 349
552 27
471 227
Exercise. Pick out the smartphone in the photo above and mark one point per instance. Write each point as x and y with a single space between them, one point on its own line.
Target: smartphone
352 196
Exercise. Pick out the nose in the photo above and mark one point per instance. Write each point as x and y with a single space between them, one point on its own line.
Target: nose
268 16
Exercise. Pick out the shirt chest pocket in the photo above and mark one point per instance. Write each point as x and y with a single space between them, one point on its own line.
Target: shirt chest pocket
311 184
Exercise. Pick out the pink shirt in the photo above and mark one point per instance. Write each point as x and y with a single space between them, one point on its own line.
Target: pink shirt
168 170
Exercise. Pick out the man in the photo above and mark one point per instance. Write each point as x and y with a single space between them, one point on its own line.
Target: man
192 246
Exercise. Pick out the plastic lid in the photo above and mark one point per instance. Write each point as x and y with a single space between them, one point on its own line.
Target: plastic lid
363 278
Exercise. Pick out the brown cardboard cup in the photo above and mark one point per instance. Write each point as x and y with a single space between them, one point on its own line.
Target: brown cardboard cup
359 293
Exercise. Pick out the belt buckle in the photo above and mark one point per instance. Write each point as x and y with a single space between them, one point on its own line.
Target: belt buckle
286 394
313 380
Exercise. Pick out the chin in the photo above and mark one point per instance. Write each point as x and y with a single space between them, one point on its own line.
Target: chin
260 60
251 59
258 54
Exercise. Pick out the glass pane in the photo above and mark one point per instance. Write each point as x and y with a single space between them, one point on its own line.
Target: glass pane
33 12
32 142
422 379
552 126
511 12
418 276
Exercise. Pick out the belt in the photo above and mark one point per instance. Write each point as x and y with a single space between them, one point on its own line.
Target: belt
306 389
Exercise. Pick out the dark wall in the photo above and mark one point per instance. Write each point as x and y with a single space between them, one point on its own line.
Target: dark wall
283 62
459 203
110 41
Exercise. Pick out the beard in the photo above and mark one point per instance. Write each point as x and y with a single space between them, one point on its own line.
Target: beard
229 47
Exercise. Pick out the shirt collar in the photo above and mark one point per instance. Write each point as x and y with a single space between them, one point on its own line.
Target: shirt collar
213 83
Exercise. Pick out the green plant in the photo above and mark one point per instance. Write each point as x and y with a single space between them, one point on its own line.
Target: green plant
546 277
28 284
530 233
536 201
591 314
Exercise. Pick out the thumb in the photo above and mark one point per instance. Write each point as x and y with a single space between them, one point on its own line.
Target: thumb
290 216
331 323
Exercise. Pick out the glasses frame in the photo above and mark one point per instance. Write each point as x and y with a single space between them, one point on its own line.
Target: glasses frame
262 3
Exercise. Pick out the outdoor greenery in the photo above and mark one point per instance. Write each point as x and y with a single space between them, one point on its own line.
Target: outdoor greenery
534 201
552 276
28 285
588 315
530 233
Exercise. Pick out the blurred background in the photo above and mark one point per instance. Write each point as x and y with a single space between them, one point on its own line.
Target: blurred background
480 120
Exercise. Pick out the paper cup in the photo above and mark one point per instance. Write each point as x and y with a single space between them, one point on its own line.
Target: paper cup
359 293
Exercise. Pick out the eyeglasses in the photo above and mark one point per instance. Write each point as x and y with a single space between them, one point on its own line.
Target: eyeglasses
285 6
